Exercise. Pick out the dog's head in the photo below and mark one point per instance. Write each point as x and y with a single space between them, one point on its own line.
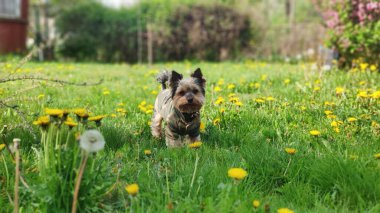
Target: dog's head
188 94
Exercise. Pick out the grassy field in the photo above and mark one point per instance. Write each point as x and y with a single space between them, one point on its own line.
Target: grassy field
273 107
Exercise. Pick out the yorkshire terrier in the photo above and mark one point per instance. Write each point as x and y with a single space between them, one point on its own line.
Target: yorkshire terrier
179 106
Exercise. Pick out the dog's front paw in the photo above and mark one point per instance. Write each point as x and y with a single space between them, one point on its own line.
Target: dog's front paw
156 134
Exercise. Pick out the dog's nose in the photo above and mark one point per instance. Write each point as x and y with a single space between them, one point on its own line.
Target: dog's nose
190 100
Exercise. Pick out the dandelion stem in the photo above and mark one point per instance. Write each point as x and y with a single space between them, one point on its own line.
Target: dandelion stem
17 178
290 160
167 184
6 169
195 171
77 184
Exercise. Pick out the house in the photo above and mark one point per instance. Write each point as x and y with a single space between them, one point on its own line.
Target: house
13 25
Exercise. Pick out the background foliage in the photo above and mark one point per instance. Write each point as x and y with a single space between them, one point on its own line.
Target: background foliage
354 30
93 32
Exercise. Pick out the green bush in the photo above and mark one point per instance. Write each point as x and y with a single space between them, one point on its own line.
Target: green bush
354 29
95 32
205 32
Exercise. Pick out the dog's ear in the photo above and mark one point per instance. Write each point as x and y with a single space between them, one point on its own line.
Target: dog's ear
175 78
199 78
197 74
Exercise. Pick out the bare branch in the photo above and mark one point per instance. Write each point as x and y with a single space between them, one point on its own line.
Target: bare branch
50 80
23 117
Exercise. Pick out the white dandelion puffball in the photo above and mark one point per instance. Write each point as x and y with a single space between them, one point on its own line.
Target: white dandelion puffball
92 141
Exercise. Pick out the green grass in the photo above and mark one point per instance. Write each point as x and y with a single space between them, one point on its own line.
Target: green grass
333 172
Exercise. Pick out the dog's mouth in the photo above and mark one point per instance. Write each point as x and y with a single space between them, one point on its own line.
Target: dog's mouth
190 108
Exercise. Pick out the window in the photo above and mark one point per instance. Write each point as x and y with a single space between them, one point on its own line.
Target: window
10 9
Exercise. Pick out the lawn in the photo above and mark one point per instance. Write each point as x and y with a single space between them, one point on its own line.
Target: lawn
253 112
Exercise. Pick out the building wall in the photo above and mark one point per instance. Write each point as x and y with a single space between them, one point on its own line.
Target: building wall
13 31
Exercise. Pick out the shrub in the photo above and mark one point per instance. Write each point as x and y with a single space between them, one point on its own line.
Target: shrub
219 28
94 32
354 30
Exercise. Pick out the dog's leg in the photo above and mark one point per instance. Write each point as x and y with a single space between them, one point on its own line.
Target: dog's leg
156 125
195 138
172 139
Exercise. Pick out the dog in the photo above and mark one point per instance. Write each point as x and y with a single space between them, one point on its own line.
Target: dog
179 105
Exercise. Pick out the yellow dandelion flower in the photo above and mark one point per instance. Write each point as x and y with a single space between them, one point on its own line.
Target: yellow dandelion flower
147 152
41 96
217 89
121 110
220 82
71 124
374 124
259 100
106 92
287 81
83 113
375 95
328 112
149 123
121 104
219 100
331 116
377 156
264 77
149 111
329 103
339 90
53 112
113 115
351 119
195 145
42 121
334 124
216 121
202 127
256 203
315 132
222 110
290 151
132 189
361 83
270 98
362 94
316 89
231 86
239 103
303 108
231 95
284 210
233 99
96 118
363 66
237 173
336 129
154 92
373 68
257 85
2 146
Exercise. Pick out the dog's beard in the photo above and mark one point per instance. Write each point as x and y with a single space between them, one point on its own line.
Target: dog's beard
189 108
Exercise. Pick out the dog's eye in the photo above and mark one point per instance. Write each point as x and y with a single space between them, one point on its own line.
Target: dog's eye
182 93
195 91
